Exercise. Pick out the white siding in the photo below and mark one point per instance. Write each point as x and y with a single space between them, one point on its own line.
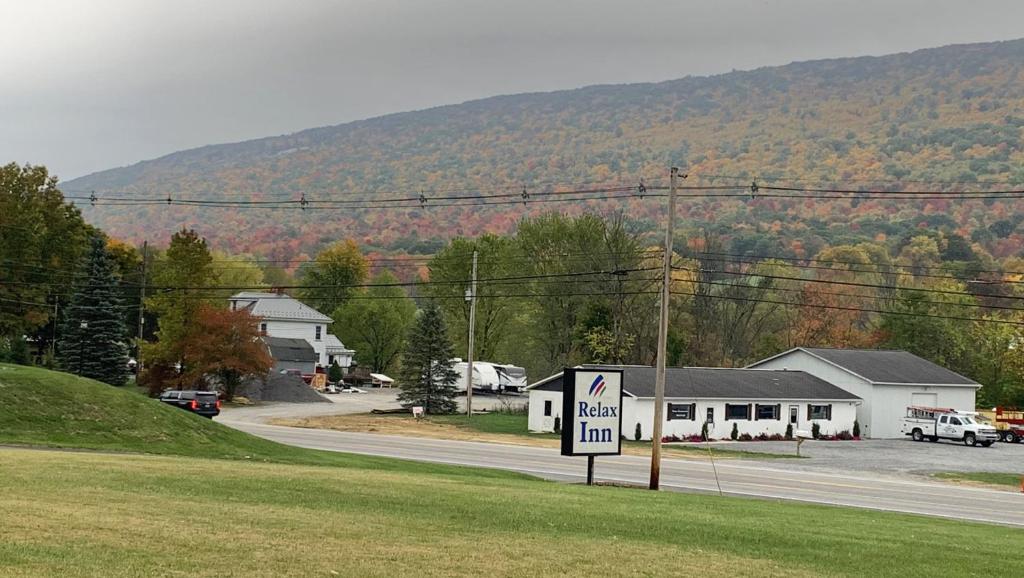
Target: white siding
891 401
538 422
843 414
642 411
803 361
883 405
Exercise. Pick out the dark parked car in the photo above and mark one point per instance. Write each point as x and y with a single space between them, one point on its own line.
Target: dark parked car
204 403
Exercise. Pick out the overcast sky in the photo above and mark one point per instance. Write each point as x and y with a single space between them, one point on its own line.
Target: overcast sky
87 85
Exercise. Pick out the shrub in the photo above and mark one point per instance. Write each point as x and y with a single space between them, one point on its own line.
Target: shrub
694 438
670 438
735 432
762 437
745 437
558 425
815 430
789 431
776 437
856 429
704 431
638 433
844 435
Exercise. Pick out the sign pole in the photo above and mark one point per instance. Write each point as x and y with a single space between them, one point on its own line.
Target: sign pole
659 375
590 470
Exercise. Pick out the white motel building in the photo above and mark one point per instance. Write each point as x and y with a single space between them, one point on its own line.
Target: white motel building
755 400
800 387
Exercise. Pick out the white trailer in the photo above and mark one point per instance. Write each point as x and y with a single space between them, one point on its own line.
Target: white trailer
491 377
935 423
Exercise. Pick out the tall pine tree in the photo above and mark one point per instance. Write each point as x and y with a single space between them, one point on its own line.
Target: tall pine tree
428 377
93 343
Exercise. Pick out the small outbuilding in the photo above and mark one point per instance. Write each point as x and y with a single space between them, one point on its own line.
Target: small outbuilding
888 381
291 354
381 380
756 401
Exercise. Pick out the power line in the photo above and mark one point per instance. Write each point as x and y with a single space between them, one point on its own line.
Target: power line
856 309
848 283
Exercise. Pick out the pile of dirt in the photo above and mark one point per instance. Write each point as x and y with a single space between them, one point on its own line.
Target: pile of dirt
280 387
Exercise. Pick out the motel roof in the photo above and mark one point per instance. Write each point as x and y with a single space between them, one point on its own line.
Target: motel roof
716 383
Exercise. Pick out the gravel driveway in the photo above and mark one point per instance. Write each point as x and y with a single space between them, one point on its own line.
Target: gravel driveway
344 403
894 456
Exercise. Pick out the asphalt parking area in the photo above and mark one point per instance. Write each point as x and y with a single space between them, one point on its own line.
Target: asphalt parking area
894 456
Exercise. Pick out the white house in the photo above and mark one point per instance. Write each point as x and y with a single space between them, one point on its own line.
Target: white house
757 401
887 381
284 316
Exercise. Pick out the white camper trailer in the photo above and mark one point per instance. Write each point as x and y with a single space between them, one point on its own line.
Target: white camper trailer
491 377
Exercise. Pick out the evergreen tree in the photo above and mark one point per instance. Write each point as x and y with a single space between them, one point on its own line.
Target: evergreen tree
93 343
428 377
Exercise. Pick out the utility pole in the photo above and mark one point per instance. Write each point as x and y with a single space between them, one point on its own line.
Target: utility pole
142 309
53 336
659 376
471 297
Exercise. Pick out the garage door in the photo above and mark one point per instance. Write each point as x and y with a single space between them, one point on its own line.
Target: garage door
925 399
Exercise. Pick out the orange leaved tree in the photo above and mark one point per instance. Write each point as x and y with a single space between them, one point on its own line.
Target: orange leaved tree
224 347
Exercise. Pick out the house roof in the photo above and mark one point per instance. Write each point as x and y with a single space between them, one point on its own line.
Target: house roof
717 383
275 306
332 344
289 349
885 366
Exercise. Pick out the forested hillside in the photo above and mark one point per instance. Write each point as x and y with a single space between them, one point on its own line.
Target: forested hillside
948 119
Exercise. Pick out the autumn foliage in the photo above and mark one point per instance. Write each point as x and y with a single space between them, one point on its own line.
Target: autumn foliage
223 348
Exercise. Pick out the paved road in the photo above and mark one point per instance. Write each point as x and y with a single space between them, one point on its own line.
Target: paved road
740 479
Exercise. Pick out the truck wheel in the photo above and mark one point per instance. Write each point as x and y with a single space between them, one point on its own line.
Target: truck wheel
970 440
917 435
1010 437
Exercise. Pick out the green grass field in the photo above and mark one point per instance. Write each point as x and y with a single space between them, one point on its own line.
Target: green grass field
516 424
990 478
314 513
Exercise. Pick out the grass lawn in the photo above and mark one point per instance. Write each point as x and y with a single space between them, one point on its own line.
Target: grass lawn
988 478
494 427
82 514
266 509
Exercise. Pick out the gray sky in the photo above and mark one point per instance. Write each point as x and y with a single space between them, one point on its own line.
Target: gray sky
87 85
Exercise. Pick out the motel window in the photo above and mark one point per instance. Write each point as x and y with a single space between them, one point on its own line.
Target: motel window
685 411
819 411
547 408
768 411
793 412
737 412
263 328
711 415
318 330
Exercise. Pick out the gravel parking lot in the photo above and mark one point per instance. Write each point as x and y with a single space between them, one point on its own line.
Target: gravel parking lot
894 456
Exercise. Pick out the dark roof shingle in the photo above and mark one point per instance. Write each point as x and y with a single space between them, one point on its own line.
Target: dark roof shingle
711 383
288 349
888 366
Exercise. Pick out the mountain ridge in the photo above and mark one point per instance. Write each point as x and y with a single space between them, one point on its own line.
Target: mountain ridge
766 122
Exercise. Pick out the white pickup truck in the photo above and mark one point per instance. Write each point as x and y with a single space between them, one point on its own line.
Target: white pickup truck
934 423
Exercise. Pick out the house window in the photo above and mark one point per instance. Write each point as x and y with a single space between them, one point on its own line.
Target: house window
767 411
711 415
682 411
263 328
547 408
318 330
737 412
819 411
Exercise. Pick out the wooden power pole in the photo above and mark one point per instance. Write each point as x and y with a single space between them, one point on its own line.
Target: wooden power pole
659 376
142 309
471 296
